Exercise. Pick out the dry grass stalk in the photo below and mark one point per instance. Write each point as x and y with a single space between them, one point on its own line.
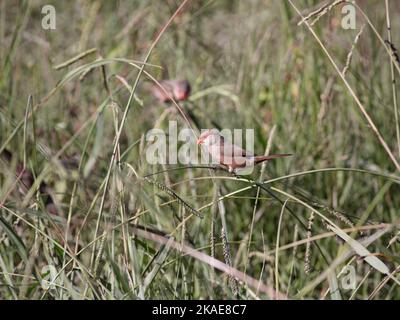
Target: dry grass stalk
212 240
99 254
350 54
307 265
75 59
338 215
320 12
227 257
394 239
174 195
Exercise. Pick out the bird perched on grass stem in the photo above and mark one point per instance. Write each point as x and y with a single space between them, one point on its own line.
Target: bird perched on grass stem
227 154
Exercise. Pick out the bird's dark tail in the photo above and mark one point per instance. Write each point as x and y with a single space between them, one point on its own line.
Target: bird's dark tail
259 159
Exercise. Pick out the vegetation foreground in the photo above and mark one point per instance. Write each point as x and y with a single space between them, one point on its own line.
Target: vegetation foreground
83 215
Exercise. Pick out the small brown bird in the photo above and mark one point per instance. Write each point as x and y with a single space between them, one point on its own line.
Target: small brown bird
236 159
179 90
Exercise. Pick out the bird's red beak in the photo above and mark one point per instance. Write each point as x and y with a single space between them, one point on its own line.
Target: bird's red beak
200 141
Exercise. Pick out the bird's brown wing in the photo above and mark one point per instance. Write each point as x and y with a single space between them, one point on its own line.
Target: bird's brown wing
232 155
233 150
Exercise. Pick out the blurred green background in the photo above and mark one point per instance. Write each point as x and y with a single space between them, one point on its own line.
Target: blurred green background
250 66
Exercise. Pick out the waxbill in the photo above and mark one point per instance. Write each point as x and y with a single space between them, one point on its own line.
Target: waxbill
179 90
236 159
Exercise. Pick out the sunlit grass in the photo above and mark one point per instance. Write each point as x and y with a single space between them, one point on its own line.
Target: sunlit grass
73 114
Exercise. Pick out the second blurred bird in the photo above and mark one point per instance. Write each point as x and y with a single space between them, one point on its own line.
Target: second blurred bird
178 89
